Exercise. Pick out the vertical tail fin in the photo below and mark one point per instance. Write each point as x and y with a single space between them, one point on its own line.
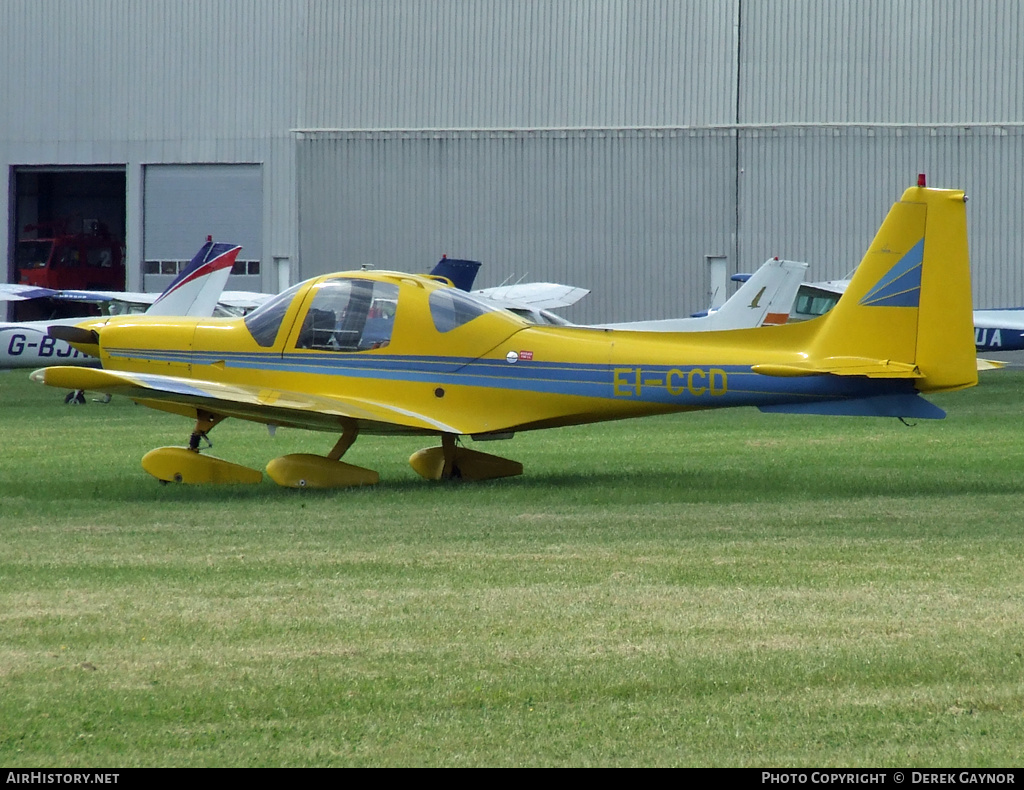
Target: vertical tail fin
461 272
909 302
196 290
765 298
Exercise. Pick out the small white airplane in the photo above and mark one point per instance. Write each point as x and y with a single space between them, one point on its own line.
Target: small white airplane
195 292
764 298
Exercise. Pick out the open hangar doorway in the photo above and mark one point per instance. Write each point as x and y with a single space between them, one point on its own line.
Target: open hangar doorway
66 229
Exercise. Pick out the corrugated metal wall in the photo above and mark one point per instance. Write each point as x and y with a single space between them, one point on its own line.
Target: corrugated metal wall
219 81
165 81
612 211
190 79
881 61
758 67
519 63
819 195
632 215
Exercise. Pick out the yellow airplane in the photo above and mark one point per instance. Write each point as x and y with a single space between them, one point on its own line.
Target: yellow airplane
382 352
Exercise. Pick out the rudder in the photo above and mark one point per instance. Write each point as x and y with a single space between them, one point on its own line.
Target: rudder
909 302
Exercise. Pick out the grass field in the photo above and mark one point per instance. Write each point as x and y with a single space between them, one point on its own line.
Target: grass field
727 588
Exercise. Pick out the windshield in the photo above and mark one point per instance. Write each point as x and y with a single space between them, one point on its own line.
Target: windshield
265 321
349 315
815 303
33 254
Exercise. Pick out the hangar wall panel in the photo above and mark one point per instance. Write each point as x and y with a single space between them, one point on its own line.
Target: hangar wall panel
629 215
165 81
163 70
117 82
525 64
820 194
881 61
632 216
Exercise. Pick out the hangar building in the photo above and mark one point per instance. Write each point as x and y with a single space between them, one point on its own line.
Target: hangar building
633 148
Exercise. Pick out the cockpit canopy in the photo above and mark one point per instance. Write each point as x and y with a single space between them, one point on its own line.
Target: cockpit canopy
351 313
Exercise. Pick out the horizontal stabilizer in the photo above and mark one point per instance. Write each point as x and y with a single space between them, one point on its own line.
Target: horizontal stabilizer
842 366
905 405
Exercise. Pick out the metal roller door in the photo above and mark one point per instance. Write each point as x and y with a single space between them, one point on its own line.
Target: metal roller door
183 204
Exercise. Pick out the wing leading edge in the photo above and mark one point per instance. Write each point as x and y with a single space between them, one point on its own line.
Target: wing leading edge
257 404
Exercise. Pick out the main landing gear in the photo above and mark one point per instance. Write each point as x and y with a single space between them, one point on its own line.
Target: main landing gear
186 465
305 470
450 461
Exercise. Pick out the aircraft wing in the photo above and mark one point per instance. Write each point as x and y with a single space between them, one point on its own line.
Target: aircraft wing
12 292
540 296
132 297
246 300
258 404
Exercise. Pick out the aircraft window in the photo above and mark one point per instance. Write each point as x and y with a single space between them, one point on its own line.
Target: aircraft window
451 308
823 304
815 303
33 254
349 315
265 321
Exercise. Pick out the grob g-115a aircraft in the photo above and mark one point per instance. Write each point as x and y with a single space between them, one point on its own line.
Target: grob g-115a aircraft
386 352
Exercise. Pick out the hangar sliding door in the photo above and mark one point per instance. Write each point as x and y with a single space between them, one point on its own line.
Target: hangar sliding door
183 204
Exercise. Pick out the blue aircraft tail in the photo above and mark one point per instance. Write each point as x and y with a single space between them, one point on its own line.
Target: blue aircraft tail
461 272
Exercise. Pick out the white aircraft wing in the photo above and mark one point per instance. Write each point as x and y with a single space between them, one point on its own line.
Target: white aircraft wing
1000 318
136 297
540 296
246 300
13 292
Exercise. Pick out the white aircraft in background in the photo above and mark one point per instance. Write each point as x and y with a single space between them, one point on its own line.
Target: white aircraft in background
765 298
995 329
195 292
532 301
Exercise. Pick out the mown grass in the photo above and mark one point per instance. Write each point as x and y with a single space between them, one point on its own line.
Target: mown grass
724 588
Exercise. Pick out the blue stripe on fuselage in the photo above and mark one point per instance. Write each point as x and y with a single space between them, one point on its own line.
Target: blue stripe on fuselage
692 386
